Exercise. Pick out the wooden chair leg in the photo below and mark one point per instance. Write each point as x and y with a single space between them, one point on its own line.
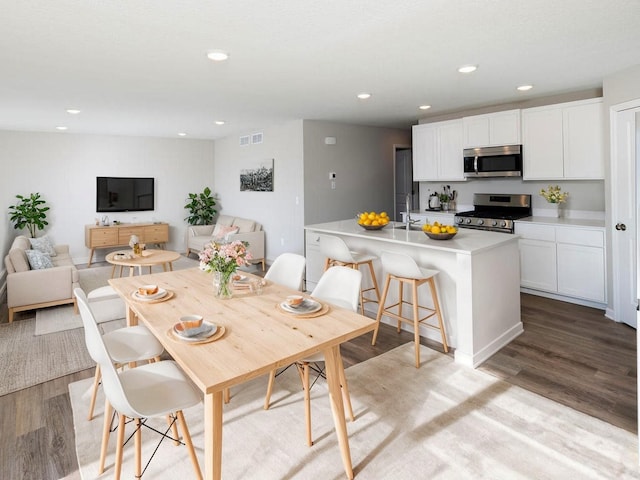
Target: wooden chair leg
385 290
187 440
119 448
106 429
94 394
174 430
138 446
11 311
346 398
267 397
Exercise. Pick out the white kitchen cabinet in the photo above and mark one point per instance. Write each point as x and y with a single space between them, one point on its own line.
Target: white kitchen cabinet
437 151
492 129
563 141
565 260
315 260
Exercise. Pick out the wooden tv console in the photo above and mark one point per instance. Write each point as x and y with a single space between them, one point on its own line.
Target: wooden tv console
96 236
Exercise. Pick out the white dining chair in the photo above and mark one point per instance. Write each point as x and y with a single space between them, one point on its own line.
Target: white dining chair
157 389
340 287
287 270
126 346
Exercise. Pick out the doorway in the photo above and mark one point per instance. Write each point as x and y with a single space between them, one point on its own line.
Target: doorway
403 181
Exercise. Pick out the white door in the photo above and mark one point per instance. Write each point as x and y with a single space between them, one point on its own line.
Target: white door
623 212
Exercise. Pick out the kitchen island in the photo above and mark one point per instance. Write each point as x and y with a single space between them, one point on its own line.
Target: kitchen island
478 284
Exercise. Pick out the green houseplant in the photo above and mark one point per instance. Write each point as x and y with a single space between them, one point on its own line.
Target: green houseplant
201 208
30 212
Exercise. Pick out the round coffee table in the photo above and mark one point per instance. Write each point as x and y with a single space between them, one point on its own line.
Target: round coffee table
149 258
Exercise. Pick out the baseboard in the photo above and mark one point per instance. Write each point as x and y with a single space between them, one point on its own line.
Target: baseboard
564 298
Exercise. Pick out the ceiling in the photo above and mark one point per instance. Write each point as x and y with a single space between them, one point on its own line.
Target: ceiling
139 67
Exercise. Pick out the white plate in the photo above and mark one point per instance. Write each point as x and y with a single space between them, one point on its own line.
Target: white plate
213 328
307 306
161 293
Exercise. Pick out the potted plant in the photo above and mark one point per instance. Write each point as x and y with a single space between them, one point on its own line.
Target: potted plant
30 212
201 208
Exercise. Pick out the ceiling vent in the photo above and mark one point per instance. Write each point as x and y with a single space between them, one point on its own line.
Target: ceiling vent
256 138
244 140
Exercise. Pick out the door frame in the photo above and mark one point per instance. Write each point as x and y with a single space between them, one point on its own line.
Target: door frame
396 147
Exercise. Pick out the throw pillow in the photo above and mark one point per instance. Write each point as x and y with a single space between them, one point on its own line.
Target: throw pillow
44 245
38 260
222 232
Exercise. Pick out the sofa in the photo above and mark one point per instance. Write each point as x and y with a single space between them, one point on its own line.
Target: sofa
228 228
42 279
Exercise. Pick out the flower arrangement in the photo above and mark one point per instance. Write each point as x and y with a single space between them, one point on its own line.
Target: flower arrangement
554 194
223 259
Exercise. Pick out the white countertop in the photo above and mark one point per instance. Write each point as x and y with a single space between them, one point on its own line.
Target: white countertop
569 222
467 241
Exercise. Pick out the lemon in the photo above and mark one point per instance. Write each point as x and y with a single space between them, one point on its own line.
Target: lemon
435 229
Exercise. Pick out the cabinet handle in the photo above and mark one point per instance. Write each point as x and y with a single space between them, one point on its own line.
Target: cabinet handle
621 226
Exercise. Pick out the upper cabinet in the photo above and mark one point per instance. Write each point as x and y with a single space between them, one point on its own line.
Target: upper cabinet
437 151
564 141
492 129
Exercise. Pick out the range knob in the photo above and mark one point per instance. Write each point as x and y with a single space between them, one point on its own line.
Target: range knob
459 219
503 223
468 221
494 223
480 221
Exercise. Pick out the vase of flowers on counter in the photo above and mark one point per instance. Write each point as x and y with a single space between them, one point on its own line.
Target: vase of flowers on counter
223 259
554 196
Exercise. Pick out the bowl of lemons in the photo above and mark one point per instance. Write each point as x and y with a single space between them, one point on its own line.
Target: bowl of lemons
373 220
436 231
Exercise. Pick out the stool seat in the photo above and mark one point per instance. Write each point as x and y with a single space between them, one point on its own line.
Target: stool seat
404 269
337 253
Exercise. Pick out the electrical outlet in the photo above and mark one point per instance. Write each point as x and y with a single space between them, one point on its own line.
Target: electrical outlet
282 241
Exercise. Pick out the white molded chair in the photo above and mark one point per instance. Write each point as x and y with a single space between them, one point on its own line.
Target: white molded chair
126 345
337 253
154 390
338 286
404 269
287 270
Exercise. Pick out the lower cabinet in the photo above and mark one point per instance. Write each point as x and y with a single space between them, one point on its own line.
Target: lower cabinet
564 260
315 261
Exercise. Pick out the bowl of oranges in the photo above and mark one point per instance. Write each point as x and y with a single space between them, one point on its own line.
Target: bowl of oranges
373 220
436 231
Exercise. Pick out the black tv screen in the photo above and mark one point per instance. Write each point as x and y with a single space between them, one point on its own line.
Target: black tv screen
124 194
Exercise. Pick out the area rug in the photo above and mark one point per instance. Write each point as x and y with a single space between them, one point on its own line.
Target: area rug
441 421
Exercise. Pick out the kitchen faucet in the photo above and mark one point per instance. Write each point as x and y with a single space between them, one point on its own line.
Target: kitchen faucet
407 220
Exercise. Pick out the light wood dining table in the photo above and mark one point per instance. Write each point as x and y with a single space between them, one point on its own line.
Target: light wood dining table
258 337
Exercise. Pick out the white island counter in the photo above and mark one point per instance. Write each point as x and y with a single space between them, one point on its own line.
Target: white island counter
478 284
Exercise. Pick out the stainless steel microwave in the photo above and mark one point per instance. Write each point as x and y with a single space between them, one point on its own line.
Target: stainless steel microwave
493 161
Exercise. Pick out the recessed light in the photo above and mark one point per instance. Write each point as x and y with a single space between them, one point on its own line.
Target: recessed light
217 55
364 95
524 88
219 122
424 107
61 128
73 111
182 134
468 68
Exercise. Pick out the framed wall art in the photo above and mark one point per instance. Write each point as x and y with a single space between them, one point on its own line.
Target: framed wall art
257 177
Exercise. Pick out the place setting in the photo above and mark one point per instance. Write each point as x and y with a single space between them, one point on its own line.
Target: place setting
195 329
151 294
302 307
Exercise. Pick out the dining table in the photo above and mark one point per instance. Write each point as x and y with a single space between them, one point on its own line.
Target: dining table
254 335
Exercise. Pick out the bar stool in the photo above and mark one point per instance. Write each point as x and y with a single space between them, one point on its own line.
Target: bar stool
337 253
404 269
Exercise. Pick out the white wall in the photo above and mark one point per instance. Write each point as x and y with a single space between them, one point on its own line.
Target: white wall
280 212
63 168
362 159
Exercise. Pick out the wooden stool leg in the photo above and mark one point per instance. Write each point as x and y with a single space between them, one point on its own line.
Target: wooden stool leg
436 306
416 322
374 280
381 308
400 300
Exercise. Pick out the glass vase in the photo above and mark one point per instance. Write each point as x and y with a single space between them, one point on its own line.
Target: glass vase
222 285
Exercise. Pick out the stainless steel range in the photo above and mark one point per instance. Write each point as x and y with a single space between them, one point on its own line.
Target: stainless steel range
495 211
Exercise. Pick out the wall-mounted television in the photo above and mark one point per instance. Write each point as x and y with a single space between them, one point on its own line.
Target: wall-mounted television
124 194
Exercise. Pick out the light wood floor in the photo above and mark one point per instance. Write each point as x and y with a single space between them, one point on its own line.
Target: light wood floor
569 353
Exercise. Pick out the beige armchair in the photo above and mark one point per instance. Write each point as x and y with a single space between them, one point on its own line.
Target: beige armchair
248 231
28 289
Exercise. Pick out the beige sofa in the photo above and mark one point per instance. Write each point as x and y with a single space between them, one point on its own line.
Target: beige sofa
28 289
248 231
